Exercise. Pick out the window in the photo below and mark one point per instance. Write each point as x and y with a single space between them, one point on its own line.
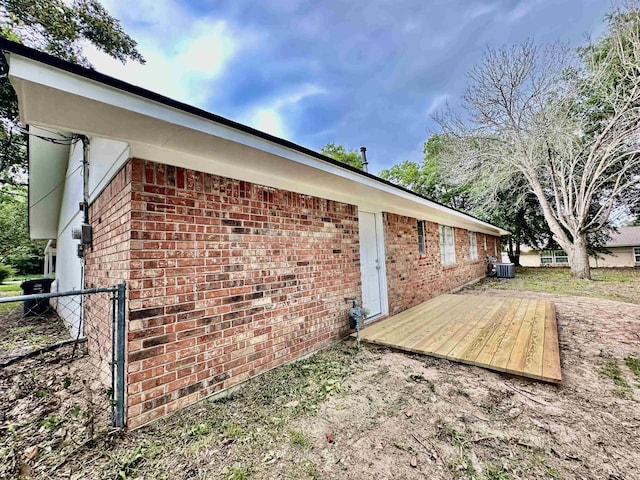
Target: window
485 242
447 246
473 246
422 242
636 254
554 257
546 257
561 256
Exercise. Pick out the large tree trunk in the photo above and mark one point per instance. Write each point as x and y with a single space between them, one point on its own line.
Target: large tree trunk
579 259
514 255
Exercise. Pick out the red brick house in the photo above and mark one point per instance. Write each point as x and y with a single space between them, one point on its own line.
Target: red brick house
238 248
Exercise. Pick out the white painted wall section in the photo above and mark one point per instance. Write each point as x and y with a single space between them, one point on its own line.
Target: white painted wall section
68 265
106 157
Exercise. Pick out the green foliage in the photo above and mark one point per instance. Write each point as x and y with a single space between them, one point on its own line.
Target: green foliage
339 153
29 259
634 365
58 28
52 422
296 437
237 473
146 450
612 370
5 272
15 244
430 178
495 471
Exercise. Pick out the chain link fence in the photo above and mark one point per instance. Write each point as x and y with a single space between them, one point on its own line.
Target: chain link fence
61 376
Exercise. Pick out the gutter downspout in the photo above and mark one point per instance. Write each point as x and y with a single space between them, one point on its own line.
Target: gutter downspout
85 221
85 178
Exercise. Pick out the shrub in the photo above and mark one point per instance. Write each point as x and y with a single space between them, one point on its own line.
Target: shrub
5 272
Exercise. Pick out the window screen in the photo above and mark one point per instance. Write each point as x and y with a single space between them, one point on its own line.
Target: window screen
473 246
447 245
422 242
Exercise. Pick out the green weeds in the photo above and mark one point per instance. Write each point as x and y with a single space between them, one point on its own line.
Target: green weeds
611 370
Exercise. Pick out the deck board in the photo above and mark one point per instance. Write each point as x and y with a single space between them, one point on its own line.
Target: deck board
513 335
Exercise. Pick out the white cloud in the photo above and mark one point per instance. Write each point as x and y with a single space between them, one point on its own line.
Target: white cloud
519 12
436 102
196 50
269 117
184 73
268 120
482 9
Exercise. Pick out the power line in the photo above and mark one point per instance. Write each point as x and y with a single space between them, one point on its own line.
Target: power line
56 187
65 140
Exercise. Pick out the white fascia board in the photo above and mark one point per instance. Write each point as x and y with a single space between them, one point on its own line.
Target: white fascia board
35 72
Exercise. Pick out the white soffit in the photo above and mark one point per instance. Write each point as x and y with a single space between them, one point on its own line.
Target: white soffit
54 97
47 171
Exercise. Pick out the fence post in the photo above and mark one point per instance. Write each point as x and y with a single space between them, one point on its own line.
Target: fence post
120 360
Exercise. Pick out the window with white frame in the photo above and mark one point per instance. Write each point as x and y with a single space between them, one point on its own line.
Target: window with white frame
554 257
546 257
447 245
473 246
422 242
560 256
636 254
485 242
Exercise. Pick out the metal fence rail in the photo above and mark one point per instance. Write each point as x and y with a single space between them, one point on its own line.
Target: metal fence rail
61 373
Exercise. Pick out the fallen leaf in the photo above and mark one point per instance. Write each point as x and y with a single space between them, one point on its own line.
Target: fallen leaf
330 437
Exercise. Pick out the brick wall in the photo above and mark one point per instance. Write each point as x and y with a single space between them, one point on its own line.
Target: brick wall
107 262
228 279
414 277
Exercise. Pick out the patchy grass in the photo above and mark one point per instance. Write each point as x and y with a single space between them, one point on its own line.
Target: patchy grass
297 437
496 471
619 284
370 414
612 370
26 338
633 363
247 429
449 433
12 288
461 466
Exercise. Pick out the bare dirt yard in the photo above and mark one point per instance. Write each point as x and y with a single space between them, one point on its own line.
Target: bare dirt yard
378 414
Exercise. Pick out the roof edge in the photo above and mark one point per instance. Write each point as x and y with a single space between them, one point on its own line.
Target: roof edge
70 67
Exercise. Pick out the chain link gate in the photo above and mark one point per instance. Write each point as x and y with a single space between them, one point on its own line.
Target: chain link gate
62 372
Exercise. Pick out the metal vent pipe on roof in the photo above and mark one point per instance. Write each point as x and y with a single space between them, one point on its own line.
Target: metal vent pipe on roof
365 164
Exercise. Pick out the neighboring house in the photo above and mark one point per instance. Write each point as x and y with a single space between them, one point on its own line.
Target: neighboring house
239 249
624 248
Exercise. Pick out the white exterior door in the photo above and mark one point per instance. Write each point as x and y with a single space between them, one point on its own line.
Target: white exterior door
370 264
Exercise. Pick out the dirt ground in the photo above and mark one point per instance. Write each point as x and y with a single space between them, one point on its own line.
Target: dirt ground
51 403
20 335
379 414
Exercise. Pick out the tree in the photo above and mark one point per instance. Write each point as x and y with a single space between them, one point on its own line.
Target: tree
58 28
430 178
569 128
339 153
14 234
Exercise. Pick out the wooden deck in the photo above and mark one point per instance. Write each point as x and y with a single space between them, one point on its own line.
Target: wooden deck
511 335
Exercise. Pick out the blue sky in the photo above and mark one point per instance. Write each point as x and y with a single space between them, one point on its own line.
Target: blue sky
345 71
